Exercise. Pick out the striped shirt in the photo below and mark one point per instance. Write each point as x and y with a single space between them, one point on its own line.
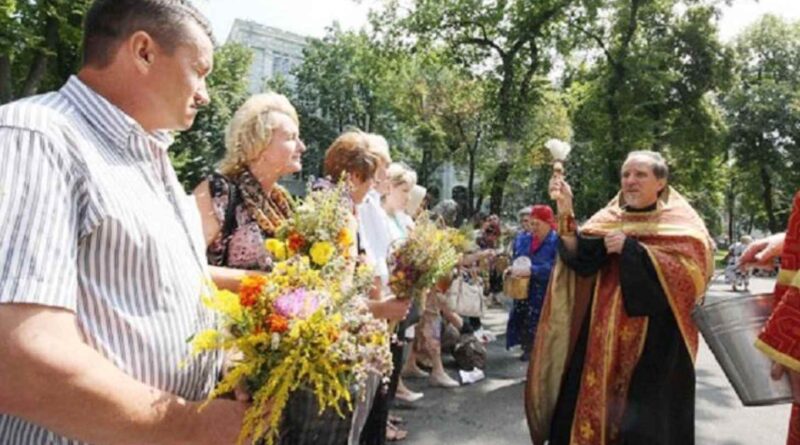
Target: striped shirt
94 220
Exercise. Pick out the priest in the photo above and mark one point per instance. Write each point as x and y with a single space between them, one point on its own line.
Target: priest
613 358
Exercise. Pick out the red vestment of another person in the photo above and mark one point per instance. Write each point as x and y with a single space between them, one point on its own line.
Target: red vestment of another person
780 339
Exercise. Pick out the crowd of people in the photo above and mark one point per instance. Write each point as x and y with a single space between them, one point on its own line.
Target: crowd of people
105 258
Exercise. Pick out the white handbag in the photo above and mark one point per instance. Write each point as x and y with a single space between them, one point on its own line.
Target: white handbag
466 297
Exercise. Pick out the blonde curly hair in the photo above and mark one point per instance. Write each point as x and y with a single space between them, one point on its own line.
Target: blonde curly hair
400 174
250 130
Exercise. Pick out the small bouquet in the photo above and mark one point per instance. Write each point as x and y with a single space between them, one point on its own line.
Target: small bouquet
304 326
428 254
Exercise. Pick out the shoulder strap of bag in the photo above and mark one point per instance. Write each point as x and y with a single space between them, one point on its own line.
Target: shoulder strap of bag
229 221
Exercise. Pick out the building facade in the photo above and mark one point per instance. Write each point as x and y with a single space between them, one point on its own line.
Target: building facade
275 52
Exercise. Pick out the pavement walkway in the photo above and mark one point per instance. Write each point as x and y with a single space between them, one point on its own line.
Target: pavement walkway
491 412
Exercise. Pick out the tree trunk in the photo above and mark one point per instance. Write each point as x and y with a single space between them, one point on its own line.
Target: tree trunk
472 154
766 183
615 150
479 203
423 171
499 179
615 83
471 185
505 98
731 212
35 75
38 68
6 92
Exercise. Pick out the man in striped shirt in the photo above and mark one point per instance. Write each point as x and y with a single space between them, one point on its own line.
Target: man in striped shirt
102 258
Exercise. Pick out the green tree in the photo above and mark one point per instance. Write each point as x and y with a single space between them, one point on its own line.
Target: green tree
338 79
442 107
762 111
531 170
196 151
653 88
39 45
509 41
337 89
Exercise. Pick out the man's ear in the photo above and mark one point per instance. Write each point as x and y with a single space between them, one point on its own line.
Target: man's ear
142 49
663 191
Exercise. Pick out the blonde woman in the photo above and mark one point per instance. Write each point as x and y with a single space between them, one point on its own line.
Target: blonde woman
401 180
242 204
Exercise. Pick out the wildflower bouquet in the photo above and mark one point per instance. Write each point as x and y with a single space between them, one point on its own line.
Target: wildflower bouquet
318 229
295 329
428 254
303 326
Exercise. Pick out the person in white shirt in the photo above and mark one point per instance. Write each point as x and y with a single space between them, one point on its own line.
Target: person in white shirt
371 418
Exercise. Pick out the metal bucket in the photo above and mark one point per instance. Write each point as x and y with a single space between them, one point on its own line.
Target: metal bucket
730 328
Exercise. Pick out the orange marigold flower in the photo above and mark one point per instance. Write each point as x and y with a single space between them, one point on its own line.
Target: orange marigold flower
249 289
277 323
296 242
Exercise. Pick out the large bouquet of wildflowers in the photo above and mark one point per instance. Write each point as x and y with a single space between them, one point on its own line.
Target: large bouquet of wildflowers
428 254
304 325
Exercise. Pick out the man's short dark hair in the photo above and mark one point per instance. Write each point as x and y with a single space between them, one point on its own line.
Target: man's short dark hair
109 22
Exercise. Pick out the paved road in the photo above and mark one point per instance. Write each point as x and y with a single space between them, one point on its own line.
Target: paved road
491 412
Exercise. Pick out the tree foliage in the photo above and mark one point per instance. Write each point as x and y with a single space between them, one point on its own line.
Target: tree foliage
763 109
39 45
508 43
652 84
196 151
337 90
483 83
427 106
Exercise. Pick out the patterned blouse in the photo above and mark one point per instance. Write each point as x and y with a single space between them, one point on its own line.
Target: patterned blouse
256 217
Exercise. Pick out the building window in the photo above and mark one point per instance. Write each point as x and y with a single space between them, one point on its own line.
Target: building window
281 65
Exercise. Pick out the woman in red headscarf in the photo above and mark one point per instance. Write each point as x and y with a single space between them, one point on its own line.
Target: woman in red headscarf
524 316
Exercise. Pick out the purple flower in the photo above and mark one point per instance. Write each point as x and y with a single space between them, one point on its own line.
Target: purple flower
298 303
